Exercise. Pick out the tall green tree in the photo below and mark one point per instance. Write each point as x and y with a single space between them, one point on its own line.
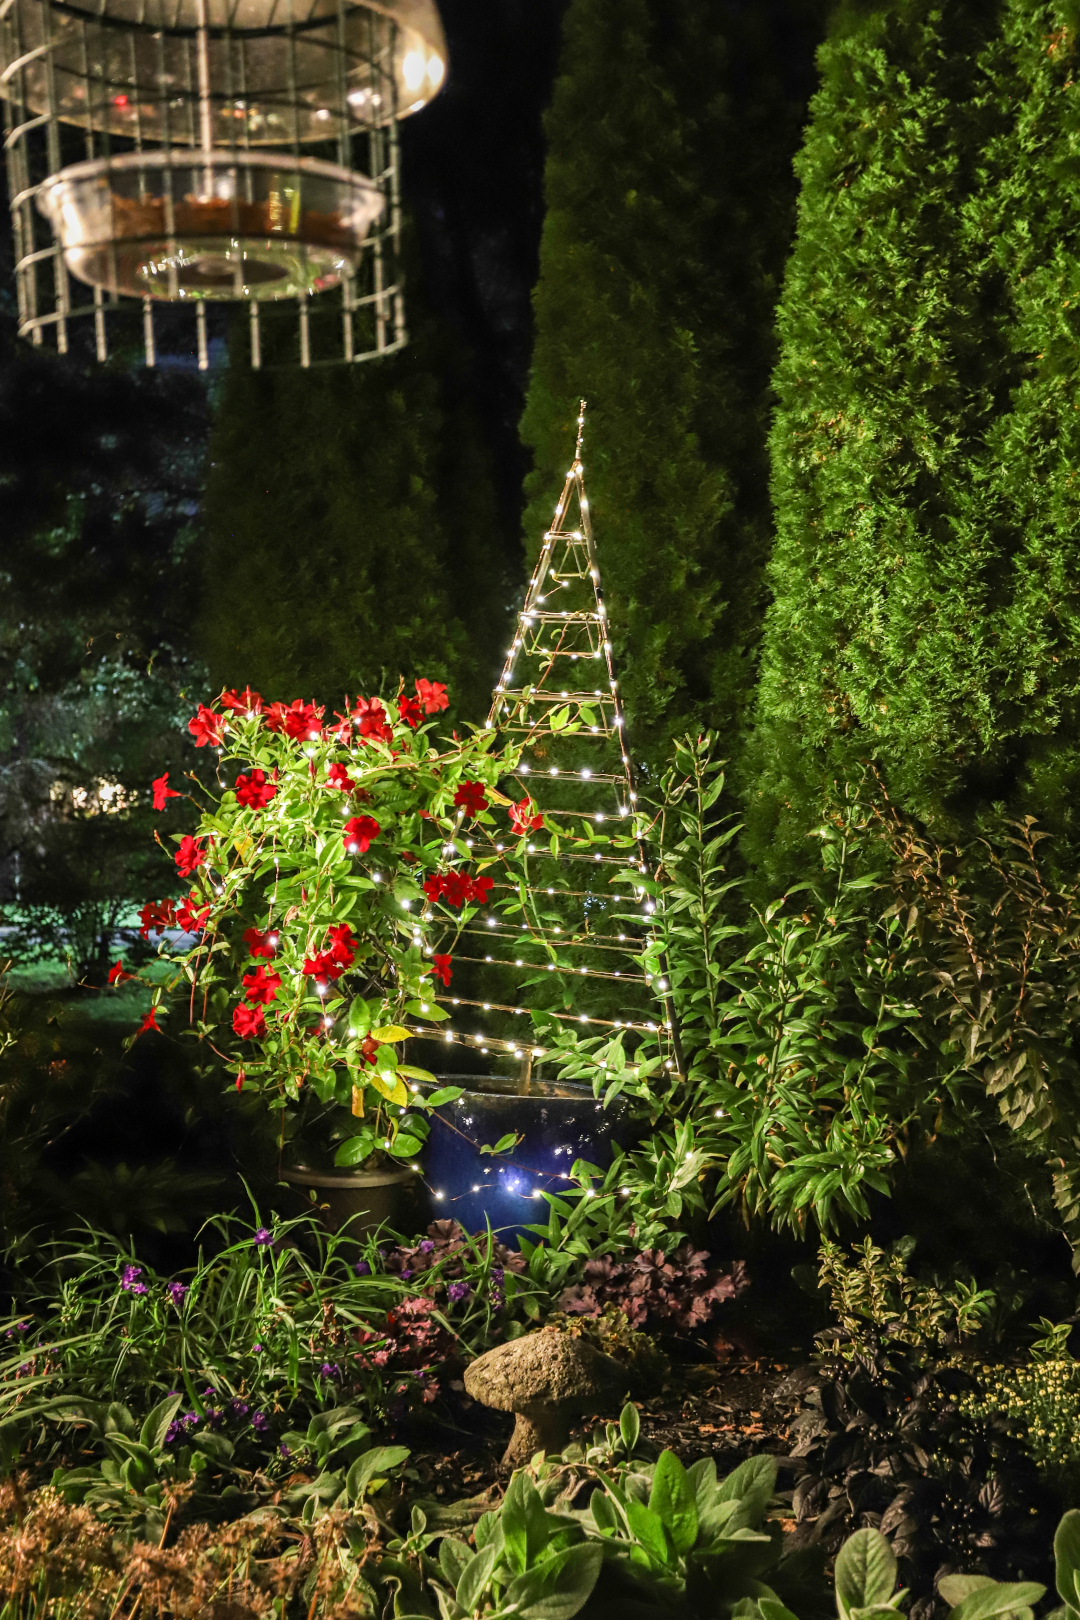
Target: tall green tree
669 210
926 570
351 531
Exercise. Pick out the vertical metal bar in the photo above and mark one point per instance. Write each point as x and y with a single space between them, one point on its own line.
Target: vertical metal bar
61 290
305 336
256 337
200 329
100 340
148 332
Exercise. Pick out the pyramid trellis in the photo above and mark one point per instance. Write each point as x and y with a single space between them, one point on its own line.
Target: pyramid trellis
565 938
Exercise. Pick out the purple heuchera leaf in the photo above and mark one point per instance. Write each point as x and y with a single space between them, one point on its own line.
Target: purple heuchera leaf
680 1289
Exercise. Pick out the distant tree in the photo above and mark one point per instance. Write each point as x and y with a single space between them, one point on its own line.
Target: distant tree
350 531
100 470
670 206
926 571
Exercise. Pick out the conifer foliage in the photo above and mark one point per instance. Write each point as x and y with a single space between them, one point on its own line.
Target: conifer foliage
351 531
925 574
668 196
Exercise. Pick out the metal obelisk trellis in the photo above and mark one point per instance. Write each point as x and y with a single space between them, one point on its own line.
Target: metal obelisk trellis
568 923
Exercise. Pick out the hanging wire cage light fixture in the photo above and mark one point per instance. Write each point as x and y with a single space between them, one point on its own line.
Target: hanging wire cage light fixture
189 153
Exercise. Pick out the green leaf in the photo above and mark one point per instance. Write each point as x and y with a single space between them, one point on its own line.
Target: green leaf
355 1150
1067 1559
565 1587
955 1588
648 1529
152 1434
379 1460
453 1557
1000 1598
446 1094
672 1500
604 1516
412 1073
404 1146
629 1426
475 1577
390 1032
865 1572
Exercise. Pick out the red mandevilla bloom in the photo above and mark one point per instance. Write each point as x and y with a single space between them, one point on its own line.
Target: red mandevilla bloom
338 777
371 721
456 888
205 727
261 942
245 702
432 695
253 791
324 965
156 914
190 916
261 986
249 1022
162 791
297 719
149 1022
524 818
471 797
409 710
190 856
342 945
441 967
119 973
359 832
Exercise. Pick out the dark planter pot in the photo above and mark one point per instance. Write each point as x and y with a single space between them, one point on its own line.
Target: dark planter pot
559 1121
363 1198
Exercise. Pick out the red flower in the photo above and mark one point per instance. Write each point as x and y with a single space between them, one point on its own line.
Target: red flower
245 702
342 944
205 727
324 965
296 719
456 888
409 710
149 1022
240 1078
369 1050
261 986
190 856
441 968
261 942
371 721
432 695
118 974
190 919
359 832
338 777
254 792
162 791
156 914
249 1022
472 797
524 817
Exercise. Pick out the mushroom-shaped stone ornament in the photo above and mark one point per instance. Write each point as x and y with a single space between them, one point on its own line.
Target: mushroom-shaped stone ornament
545 1379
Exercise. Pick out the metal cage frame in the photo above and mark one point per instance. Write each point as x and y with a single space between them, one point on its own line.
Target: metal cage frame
361 319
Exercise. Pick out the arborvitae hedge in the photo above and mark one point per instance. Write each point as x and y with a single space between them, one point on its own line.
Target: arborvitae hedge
926 566
669 203
351 532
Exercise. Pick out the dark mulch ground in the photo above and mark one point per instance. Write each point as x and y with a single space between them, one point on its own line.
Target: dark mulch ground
728 1412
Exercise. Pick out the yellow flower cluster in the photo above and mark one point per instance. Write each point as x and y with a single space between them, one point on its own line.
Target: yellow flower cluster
1043 1398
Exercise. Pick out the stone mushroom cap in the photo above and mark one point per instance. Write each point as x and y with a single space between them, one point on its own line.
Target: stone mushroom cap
545 1369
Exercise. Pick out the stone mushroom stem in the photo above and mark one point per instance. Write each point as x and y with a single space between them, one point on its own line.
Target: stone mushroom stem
541 1427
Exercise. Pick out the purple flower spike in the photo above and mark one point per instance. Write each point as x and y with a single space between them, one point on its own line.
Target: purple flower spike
427 1247
176 1292
263 1239
329 1369
259 1422
363 1269
284 1450
256 1347
130 1283
458 1291
238 1408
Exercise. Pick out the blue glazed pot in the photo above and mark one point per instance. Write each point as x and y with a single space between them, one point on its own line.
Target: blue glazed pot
558 1121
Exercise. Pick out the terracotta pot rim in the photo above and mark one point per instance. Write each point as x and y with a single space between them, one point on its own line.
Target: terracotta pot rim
297 1175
